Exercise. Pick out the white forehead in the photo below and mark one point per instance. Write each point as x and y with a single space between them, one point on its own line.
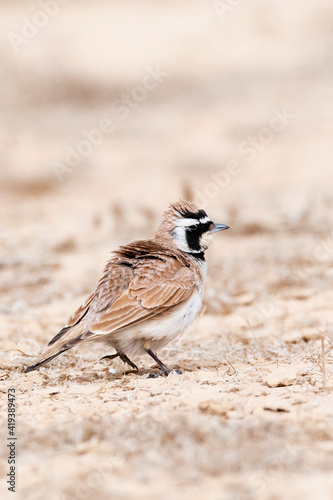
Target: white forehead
203 220
192 222
186 222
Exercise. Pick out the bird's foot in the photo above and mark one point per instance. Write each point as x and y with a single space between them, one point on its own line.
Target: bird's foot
110 356
123 357
164 369
165 372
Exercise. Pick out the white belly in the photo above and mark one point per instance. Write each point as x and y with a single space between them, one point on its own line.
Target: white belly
159 330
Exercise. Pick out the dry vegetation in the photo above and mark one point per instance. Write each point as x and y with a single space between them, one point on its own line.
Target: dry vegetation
251 417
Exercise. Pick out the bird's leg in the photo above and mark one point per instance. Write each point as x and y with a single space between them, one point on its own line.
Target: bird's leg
123 357
110 356
164 369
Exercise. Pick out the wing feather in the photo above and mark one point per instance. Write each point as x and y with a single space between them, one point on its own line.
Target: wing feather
74 319
80 311
152 291
116 277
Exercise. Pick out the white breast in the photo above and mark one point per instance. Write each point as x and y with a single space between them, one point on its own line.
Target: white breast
174 322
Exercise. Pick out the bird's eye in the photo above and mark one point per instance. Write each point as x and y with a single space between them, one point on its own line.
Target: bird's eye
192 228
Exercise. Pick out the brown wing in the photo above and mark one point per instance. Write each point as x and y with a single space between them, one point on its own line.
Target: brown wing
74 319
155 287
115 279
80 311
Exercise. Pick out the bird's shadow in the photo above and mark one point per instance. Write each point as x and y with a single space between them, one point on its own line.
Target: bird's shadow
87 374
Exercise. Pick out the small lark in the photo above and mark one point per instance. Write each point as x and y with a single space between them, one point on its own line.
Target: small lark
149 293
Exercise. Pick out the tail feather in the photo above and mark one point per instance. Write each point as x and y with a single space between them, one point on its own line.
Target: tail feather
60 334
44 361
57 349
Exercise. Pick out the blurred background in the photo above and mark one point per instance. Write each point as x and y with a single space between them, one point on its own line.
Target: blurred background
110 110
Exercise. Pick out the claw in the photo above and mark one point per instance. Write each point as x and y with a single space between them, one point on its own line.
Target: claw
123 357
166 372
110 356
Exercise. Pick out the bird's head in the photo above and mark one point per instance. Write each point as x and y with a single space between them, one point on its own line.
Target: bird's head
189 227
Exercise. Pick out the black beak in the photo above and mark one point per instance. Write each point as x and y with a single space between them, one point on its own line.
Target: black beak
218 227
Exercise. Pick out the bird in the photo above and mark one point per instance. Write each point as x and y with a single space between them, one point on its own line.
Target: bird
149 293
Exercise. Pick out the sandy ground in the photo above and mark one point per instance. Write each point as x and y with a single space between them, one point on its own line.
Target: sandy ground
238 115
